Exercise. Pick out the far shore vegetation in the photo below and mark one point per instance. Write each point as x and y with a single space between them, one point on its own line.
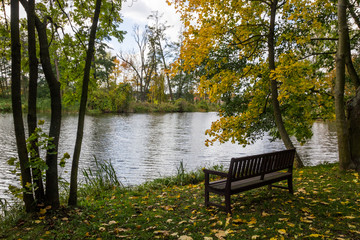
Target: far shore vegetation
325 205
103 105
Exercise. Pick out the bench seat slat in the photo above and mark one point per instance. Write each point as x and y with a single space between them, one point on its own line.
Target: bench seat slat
238 185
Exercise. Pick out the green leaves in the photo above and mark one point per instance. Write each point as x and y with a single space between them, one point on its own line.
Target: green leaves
38 166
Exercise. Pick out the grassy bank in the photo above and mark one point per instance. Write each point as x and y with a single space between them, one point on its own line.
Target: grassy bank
325 206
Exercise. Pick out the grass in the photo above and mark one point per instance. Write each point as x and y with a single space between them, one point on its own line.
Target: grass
325 205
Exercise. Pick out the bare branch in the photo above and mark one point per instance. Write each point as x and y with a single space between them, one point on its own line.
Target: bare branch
317 54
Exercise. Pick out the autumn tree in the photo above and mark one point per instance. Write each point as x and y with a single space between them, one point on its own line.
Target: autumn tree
157 38
250 55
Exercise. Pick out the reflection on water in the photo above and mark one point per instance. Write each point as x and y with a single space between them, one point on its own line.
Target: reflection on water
147 146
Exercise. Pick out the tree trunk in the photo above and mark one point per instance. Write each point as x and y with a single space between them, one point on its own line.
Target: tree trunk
31 117
84 95
52 188
166 71
341 123
274 90
354 130
353 106
16 105
348 61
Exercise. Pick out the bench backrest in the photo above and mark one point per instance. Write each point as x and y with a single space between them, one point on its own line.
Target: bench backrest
259 165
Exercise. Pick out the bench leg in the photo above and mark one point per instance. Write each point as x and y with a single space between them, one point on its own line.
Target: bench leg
228 203
290 185
206 197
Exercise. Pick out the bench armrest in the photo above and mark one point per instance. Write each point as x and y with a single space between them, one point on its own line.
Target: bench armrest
213 172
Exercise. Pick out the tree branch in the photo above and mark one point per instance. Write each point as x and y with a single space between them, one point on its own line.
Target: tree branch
317 54
353 14
324 39
72 27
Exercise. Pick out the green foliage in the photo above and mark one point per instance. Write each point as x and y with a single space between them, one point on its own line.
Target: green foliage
180 105
5 105
203 105
184 106
157 90
36 163
141 107
164 107
116 99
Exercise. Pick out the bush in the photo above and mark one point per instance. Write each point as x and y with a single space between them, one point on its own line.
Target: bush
184 106
115 100
141 107
165 107
203 105
5 105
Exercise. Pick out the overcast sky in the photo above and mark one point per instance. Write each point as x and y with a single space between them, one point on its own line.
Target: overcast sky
136 12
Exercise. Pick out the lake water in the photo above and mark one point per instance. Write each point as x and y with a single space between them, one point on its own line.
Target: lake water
146 146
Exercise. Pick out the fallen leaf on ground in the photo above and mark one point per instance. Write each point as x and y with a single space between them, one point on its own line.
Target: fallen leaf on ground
184 237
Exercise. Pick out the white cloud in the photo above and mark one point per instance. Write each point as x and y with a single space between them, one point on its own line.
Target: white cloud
137 12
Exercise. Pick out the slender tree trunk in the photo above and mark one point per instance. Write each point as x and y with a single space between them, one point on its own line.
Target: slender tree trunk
354 130
274 89
31 117
84 95
57 70
166 71
52 188
180 85
16 105
353 106
341 122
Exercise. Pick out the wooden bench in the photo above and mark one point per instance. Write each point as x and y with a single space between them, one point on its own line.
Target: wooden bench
250 172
